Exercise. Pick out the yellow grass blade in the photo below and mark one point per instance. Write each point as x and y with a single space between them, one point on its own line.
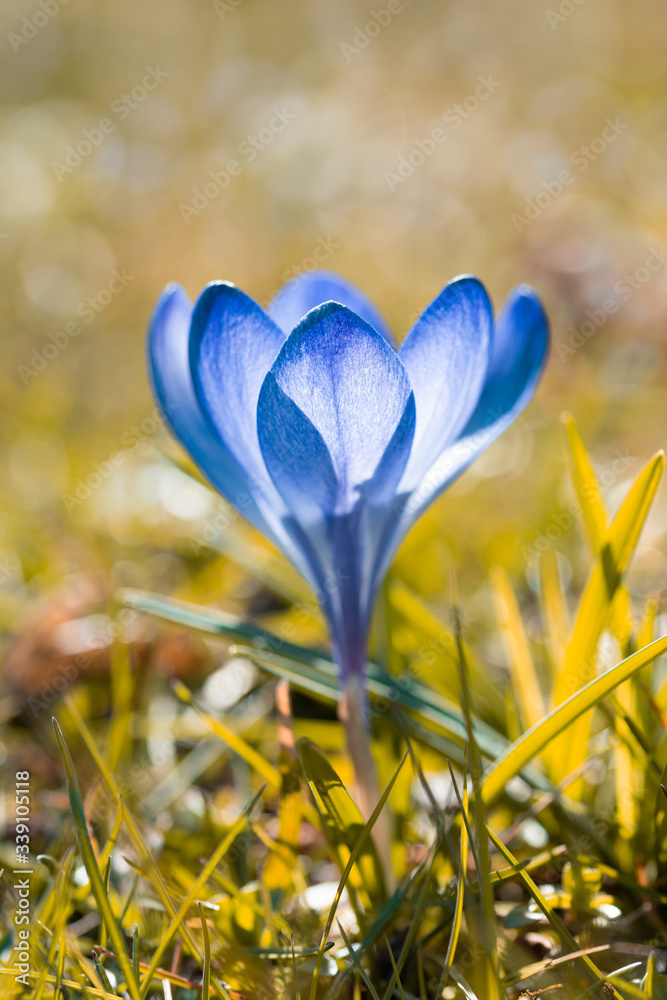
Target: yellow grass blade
524 750
342 821
595 608
525 684
589 497
356 850
196 887
554 610
138 842
234 742
436 659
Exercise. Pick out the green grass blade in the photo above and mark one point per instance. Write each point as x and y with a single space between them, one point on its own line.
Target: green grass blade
547 910
363 836
90 862
101 972
206 971
135 951
210 866
460 892
356 964
214 623
487 928
312 672
396 972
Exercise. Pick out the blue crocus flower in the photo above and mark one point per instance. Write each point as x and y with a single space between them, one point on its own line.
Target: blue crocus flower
324 436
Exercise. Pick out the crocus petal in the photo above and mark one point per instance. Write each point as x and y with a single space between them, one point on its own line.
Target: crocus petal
313 288
296 456
519 354
446 355
344 382
169 369
233 343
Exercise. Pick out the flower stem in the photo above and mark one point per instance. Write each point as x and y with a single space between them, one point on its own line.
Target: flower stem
352 712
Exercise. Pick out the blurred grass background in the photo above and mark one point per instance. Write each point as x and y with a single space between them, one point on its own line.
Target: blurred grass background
88 503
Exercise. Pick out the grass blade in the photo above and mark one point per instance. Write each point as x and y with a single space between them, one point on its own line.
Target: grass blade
548 912
206 972
523 675
356 963
342 820
363 836
460 892
210 866
252 758
531 743
616 551
133 831
90 863
593 514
